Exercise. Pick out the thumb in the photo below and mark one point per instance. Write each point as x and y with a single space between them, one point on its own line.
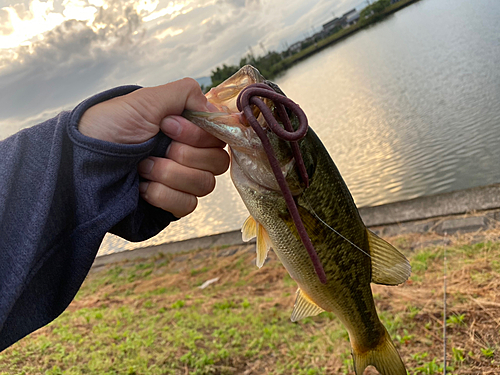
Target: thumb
169 99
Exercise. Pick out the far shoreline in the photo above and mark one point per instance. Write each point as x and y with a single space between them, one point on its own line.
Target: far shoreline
287 63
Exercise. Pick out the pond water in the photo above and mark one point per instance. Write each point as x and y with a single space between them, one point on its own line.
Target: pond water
407 107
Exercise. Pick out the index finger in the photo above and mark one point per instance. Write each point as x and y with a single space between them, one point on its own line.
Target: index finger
170 99
184 131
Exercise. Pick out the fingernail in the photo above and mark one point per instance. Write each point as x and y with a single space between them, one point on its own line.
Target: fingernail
143 187
171 127
146 166
168 149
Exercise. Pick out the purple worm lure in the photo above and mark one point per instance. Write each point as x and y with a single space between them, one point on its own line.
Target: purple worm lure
250 96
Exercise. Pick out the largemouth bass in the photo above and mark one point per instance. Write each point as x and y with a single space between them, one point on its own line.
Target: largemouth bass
352 256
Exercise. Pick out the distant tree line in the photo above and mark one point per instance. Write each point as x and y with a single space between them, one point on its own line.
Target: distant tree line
267 65
374 11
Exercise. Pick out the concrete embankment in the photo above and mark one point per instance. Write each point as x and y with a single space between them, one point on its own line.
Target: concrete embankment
460 211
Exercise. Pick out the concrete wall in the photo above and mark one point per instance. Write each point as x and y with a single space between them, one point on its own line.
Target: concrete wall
464 210
445 204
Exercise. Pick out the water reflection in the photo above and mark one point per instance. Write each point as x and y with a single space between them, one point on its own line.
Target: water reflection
218 212
408 107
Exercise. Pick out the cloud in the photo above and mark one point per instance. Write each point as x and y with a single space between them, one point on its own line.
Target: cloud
70 62
5 25
148 43
172 10
22 12
28 24
239 3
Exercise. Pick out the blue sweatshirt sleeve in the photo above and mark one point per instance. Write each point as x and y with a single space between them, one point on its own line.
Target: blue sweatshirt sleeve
60 192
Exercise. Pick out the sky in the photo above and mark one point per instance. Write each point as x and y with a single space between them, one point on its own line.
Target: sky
56 53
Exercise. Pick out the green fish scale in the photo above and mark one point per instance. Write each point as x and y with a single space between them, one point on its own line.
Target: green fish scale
347 293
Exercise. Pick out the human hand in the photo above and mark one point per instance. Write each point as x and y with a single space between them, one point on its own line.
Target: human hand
194 156
193 159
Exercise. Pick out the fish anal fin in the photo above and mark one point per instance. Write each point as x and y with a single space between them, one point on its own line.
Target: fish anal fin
249 229
389 266
263 245
304 307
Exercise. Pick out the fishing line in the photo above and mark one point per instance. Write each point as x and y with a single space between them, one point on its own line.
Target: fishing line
250 95
333 229
444 305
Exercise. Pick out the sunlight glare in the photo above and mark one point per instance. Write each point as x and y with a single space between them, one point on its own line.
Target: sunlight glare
78 10
147 6
96 3
43 19
168 32
172 7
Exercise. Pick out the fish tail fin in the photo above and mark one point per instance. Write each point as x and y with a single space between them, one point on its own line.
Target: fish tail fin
384 357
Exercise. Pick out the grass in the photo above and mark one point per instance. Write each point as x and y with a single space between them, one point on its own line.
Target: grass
150 317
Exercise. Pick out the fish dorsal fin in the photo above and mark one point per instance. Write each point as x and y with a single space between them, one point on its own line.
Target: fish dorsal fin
389 266
263 245
304 307
249 229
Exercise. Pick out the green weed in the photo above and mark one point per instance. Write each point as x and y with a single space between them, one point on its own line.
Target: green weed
178 304
456 320
241 324
488 352
458 355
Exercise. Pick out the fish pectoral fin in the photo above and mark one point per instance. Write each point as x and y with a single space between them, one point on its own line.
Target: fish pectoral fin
304 307
263 245
389 266
249 229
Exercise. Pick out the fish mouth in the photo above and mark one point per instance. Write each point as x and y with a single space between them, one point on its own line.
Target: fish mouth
224 96
225 121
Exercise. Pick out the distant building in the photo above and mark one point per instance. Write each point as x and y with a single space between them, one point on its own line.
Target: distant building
347 19
350 18
329 26
351 12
